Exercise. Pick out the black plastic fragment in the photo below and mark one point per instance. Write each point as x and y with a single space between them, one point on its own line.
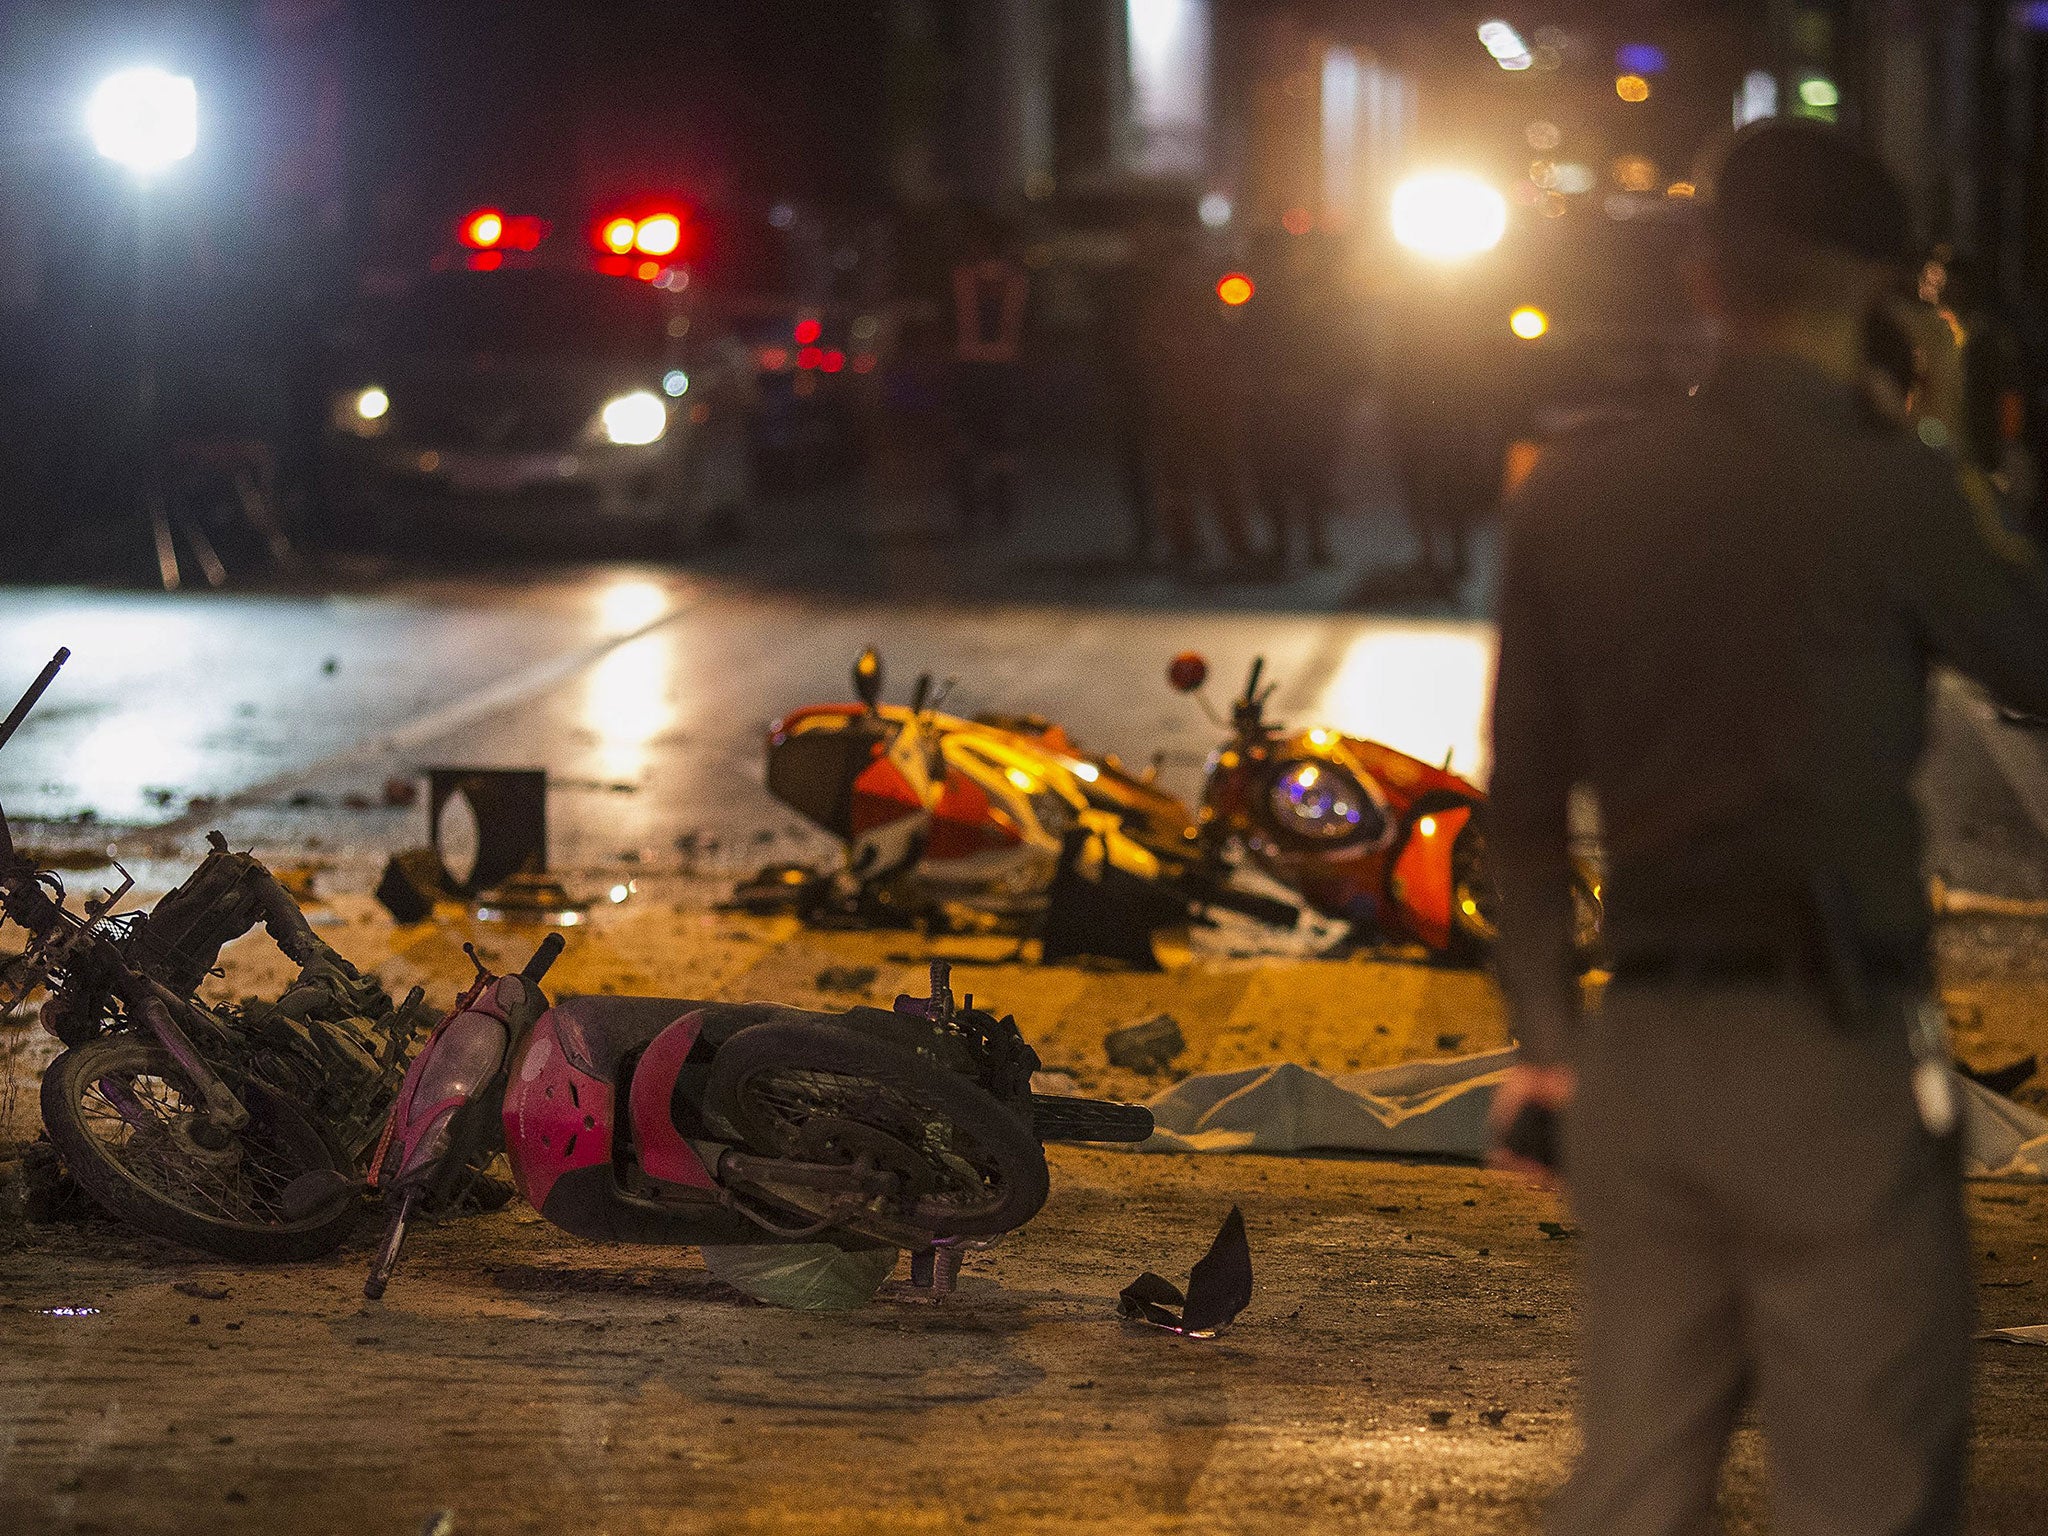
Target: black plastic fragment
1219 1288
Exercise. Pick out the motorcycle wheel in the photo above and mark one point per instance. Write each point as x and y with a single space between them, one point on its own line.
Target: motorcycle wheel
820 1092
120 1111
1474 925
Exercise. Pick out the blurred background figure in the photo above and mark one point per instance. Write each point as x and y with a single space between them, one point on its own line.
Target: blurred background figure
1194 413
1442 423
910 422
990 292
1298 391
1122 295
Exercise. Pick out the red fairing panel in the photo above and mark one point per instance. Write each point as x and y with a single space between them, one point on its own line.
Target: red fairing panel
664 1154
1421 882
965 823
881 795
557 1117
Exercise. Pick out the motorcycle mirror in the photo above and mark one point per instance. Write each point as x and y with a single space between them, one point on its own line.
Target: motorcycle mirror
1251 683
1187 672
867 677
920 693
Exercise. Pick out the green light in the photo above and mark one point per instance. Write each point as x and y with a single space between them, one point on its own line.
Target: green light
1818 91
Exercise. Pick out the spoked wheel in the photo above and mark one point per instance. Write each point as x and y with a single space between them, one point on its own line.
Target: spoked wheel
1475 922
962 1164
132 1129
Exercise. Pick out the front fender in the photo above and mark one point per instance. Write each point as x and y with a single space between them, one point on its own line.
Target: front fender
1419 885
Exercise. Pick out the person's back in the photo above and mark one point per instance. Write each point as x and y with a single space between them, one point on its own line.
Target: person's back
1752 583
1721 621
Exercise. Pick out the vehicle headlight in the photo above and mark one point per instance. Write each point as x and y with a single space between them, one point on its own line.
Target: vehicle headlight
372 403
1448 215
1528 322
1323 803
634 419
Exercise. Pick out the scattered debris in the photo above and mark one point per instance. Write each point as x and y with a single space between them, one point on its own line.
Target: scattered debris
846 978
1147 1046
1449 1042
1493 1418
2033 1333
1219 1288
530 898
1556 1230
203 1290
411 885
1439 1418
440 1523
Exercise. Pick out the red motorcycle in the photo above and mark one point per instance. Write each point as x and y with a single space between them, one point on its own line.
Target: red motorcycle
1360 831
705 1124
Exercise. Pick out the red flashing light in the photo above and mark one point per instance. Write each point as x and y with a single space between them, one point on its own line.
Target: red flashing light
486 261
808 330
774 359
658 234
617 235
810 357
1234 288
833 360
483 229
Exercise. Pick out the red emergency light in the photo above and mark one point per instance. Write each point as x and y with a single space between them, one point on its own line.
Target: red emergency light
482 230
492 229
659 233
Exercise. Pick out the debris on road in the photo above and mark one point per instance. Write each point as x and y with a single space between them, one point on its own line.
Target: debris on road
201 1290
1148 1046
2033 1333
1219 1288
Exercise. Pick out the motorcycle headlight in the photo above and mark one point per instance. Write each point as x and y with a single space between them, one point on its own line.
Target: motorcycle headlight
635 419
1323 803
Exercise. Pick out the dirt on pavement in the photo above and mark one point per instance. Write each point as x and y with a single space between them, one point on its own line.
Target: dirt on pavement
1406 1364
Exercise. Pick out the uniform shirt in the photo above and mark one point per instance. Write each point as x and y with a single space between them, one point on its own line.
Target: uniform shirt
1721 621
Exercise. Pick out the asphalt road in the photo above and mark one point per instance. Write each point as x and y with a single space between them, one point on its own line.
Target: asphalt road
1407 1365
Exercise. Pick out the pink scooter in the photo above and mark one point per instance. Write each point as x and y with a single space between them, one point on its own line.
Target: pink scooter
686 1123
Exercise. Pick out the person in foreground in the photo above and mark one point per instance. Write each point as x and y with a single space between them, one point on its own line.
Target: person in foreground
1721 624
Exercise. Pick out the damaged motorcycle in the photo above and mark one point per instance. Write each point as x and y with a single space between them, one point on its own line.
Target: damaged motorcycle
233 1128
735 1126
1365 833
1000 815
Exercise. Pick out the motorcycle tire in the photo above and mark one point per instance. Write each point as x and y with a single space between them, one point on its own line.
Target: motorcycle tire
232 1202
769 1079
1472 923
1057 1118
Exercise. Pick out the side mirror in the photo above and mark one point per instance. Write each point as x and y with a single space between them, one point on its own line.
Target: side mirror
1187 672
867 678
921 693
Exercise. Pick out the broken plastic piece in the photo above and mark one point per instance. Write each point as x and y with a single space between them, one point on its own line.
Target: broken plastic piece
1219 1288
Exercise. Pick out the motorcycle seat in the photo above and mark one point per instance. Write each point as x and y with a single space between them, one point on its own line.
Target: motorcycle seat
614 1028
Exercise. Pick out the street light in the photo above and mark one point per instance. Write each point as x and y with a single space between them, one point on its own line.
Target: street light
145 120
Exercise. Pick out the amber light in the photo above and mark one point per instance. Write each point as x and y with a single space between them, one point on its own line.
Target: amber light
1528 322
483 229
1235 288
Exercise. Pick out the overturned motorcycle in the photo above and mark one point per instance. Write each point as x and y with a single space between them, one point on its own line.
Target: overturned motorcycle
234 1128
738 1128
1001 817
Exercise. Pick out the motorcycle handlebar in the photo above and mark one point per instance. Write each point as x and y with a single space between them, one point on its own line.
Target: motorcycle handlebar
543 958
36 690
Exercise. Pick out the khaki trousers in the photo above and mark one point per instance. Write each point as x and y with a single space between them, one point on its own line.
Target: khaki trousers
1766 1221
